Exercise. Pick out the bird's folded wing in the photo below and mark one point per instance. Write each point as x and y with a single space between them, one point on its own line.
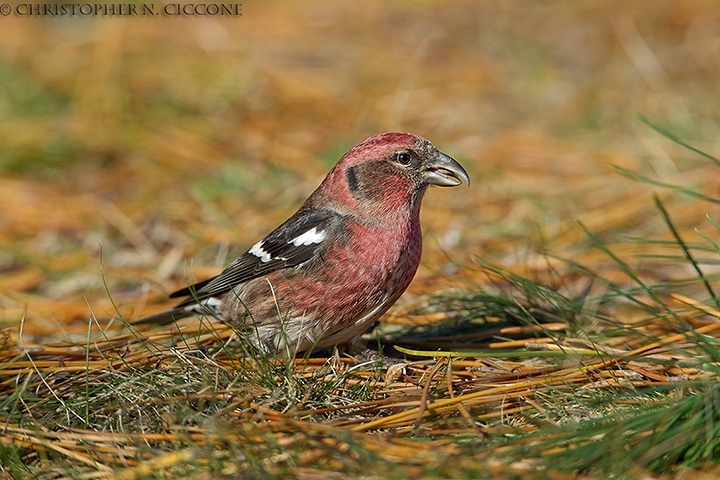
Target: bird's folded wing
303 237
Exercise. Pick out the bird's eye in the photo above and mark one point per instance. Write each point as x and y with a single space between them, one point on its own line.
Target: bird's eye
403 158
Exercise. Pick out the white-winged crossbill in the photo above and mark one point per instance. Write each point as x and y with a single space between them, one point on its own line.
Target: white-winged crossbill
340 262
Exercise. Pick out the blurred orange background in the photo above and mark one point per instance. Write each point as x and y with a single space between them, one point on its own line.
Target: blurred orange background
147 151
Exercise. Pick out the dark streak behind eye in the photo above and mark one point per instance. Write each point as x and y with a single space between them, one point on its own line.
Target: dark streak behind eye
352 179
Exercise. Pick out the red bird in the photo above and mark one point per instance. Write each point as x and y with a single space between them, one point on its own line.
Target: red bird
341 261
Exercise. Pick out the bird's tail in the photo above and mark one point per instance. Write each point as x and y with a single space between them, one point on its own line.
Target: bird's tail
208 307
165 317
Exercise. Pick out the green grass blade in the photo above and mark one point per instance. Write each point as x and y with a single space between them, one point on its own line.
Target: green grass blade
673 138
686 251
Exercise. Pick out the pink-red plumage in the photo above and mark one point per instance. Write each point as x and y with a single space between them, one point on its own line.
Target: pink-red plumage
342 260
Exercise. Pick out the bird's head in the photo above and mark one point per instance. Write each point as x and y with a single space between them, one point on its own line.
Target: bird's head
390 171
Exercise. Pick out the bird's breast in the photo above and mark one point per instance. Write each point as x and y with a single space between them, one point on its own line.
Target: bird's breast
373 266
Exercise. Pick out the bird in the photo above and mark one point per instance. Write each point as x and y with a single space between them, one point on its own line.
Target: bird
330 271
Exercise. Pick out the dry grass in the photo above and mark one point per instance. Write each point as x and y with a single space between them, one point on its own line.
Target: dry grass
137 154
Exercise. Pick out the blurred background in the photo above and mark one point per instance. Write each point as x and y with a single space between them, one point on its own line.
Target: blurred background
138 153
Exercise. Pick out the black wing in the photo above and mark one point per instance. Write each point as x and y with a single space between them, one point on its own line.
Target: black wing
275 252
